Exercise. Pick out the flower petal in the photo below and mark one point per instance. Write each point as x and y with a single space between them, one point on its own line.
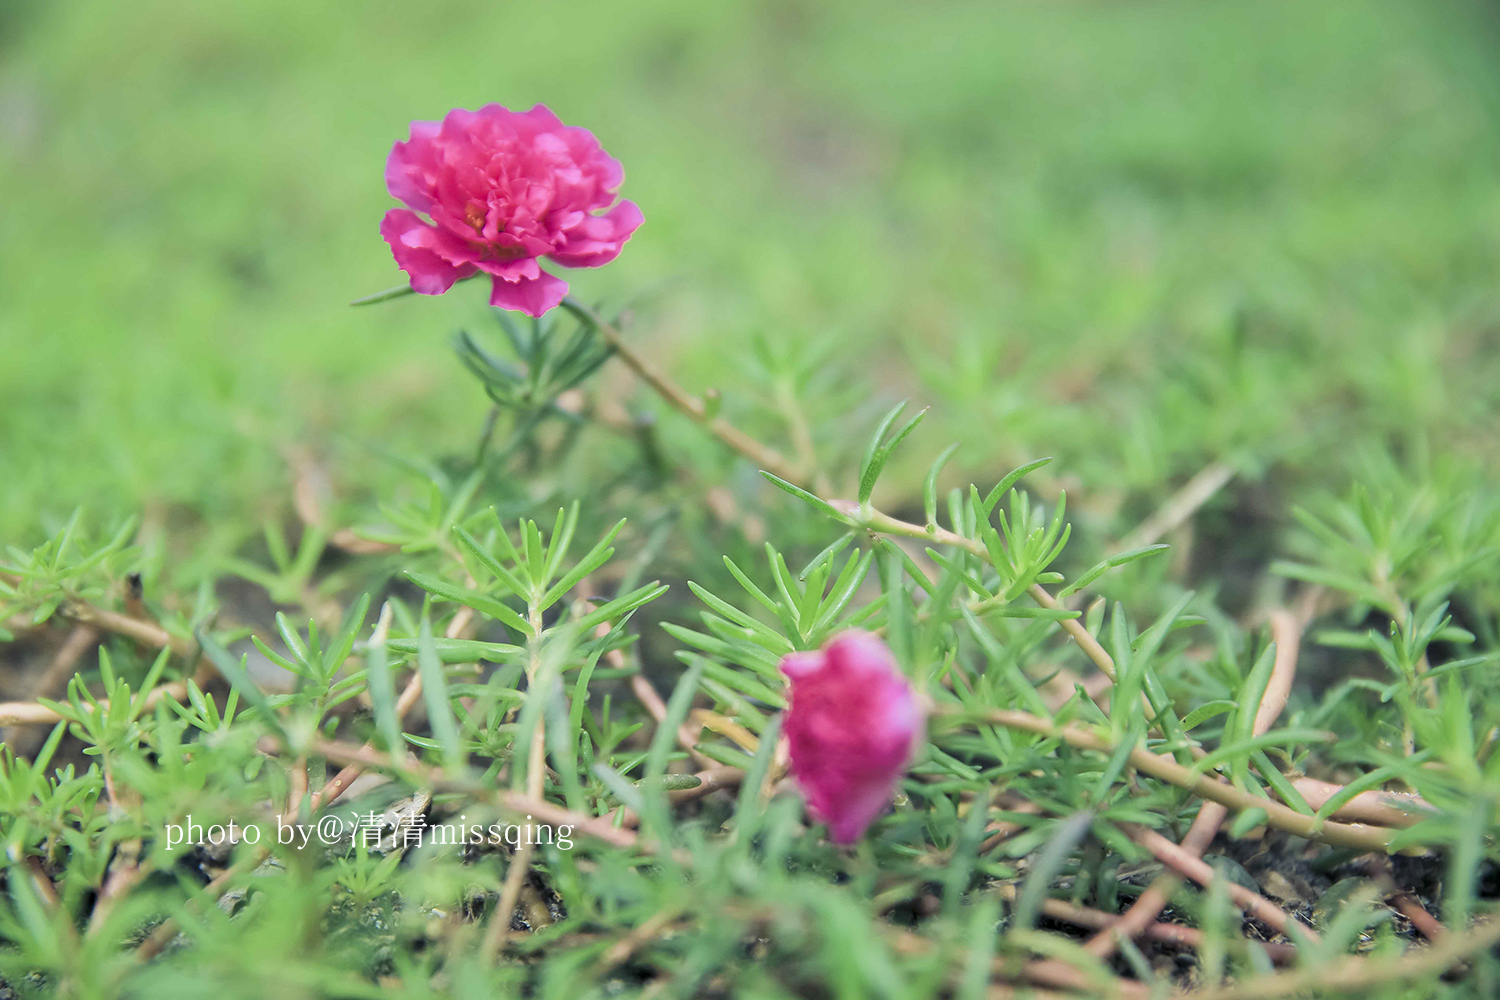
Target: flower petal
851 725
601 237
412 242
533 297
497 190
412 165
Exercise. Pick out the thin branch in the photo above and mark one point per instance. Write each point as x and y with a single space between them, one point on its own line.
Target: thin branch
1412 909
1287 632
1178 507
889 525
773 462
1400 809
43 883
683 401
30 713
1001 831
296 787
520 862
711 780
1143 912
1354 974
1367 838
628 945
163 935
366 757
1043 972
1201 872
79 641
1164 933
64 663
647 695
308 490
511 801
147 633
125 872
1383 874
409 695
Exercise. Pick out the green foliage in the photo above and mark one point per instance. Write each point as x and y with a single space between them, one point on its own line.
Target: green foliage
69 565
545 365
1015 217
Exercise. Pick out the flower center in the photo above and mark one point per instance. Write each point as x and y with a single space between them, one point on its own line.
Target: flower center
474 216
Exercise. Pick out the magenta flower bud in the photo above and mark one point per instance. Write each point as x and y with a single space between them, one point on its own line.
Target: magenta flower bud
852 725
504 188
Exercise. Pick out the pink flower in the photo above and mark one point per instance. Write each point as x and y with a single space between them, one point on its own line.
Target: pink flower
852 725
503 188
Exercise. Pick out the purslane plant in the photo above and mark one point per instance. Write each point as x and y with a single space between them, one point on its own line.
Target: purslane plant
505 678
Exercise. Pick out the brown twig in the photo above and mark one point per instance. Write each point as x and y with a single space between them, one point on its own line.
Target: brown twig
1002 830
772 462
1041 972
1174 934
125 872
42 882
520 862
408 697
1355 973
1201 872
297 787
709 781
1143 912
647 695
1412 909
146 633
683 401
30 713
1286 630
511 801
308 489
628 945
889 525
79 641
366 757
1367 838
1398 809
1178 507
163 935
1380 870
64 664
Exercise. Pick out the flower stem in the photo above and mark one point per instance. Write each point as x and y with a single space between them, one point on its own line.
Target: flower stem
520 861
1369 838
891 526
682 400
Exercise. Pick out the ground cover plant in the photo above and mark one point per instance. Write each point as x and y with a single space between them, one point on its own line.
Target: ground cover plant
1136 464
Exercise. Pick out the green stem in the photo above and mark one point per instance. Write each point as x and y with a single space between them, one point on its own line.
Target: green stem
1368 838
886 524
400 291
683 401
385 296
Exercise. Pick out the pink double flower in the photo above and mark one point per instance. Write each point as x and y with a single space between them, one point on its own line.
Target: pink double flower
504 189
852 726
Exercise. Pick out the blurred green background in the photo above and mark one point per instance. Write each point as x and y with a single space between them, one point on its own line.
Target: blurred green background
1140 236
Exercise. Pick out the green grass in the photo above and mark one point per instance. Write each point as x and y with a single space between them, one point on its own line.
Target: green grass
1144 239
